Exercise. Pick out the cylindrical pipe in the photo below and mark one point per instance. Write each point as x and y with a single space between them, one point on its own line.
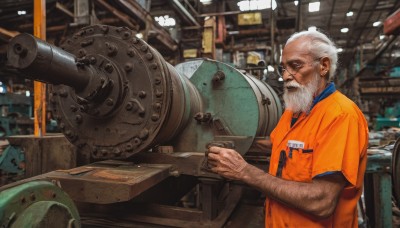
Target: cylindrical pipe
43 62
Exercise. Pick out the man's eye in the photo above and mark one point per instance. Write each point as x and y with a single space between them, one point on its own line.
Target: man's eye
296 66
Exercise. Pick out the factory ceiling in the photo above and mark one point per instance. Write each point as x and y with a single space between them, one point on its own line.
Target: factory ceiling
63 17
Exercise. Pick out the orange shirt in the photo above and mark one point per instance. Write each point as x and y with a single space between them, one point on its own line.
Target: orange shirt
333 137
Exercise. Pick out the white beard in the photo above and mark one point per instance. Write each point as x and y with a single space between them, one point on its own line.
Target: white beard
301 99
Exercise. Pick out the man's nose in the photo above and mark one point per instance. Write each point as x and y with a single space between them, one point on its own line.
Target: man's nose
287 76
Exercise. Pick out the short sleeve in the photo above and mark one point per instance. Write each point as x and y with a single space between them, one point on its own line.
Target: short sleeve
339 148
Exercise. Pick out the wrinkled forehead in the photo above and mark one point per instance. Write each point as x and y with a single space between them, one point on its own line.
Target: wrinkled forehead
297 50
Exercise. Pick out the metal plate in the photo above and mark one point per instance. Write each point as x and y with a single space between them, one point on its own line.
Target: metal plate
109 182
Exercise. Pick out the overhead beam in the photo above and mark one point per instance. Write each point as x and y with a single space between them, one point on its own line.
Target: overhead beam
107 21
162 35
183 11
122 16
64 9
365 23
348 43
331 14
8 33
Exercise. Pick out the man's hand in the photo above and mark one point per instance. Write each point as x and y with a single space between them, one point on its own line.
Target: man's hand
318 198
226 162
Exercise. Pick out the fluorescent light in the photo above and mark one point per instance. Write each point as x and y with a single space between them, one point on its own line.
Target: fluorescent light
312 28
247 5
274 5
340 50
21 12
313 6
165 21
206 2
344 30
376 23
27 93
296 3
350 13
139 35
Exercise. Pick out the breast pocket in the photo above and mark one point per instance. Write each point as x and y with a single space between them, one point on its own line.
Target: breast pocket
299 165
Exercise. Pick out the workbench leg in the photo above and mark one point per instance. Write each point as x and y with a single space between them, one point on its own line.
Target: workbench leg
209 197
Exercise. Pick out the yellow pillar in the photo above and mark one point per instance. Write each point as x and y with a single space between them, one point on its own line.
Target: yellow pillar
39 88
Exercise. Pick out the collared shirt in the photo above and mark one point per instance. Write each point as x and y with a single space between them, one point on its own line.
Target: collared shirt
332 137
327 91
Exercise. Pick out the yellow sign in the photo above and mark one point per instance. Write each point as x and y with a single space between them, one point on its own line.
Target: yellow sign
250 18
190 53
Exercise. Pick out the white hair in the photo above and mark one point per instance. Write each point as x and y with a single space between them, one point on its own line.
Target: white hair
320 46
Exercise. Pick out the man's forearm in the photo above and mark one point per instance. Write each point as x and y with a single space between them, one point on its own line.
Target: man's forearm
303 196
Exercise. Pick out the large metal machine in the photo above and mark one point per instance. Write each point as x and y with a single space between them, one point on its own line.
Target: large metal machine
140 127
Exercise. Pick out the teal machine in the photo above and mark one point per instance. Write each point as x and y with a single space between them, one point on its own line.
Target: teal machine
140 127
16 114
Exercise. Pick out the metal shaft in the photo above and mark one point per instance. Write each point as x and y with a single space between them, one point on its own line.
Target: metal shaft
47 63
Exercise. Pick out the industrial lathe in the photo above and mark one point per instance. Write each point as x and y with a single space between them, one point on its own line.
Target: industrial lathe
140 128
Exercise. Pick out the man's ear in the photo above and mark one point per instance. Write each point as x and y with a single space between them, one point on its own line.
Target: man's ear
325 66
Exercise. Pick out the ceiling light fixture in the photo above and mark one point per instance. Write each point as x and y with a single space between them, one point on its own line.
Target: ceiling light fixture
21 12
165 21
376 23
381 37
139 35
296 3
206 2
313 6
344 30
247 5
350 13
312 28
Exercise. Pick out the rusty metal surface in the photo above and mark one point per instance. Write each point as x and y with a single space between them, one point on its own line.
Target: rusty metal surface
115 95
188 163
105 182
45 154
154 215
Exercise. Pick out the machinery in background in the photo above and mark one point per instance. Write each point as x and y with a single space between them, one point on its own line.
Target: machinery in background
391 118
16 113
15 119
140 128
12 163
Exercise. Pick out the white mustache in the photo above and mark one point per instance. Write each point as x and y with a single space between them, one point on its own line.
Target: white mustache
292 84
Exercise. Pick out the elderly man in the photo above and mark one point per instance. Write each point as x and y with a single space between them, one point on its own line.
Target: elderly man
319 146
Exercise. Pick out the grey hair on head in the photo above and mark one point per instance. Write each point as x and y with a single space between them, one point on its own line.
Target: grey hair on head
320 46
